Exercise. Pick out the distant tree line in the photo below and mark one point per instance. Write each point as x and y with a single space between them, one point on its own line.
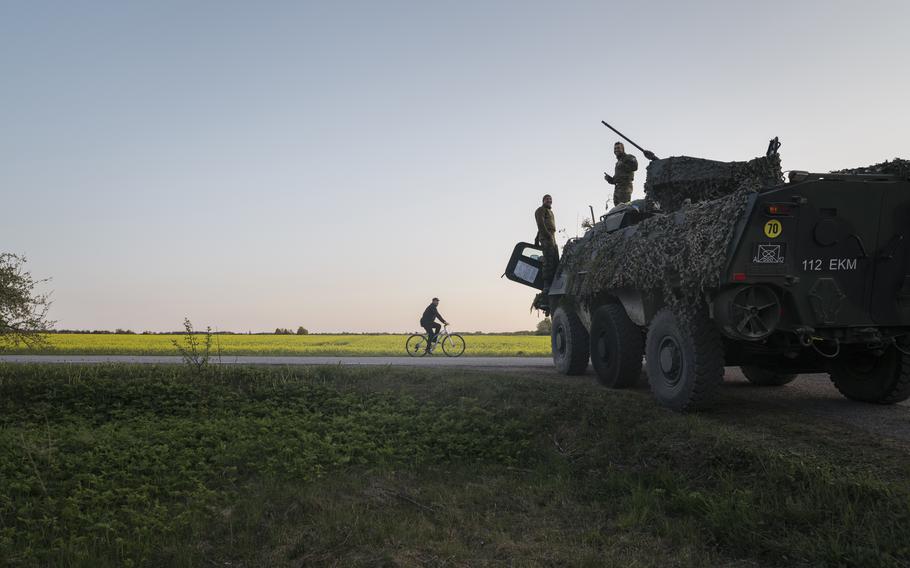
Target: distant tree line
278 331
543 328
285 331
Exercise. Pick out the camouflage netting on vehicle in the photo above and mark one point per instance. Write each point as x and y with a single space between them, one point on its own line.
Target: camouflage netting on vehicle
673 181
897 167
681 252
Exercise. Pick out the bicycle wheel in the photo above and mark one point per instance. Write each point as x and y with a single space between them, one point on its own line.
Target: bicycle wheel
453 345
416 345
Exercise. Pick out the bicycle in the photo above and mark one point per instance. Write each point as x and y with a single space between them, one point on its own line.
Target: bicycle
452 343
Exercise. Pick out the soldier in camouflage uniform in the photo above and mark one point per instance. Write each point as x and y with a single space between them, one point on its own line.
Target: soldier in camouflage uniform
546 239
622 177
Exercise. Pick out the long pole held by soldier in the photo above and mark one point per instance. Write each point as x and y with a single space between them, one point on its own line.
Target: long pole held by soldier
648 153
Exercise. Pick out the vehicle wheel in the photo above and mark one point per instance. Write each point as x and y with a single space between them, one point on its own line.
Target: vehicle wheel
685 359
616 347
453 345
766 377
864 377
569 341
416 345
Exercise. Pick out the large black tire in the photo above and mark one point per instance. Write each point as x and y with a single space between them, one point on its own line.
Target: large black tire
685 360
764 377
862 376
617 347
569 341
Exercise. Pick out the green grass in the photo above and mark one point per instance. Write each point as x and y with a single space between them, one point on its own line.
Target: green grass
128 465
299 345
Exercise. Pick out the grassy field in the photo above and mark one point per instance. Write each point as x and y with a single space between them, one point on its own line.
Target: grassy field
301 345
152 466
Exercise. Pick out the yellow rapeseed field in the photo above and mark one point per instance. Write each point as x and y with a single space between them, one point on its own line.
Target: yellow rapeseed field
299 345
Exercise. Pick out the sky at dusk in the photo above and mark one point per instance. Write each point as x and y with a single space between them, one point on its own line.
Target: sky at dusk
337 164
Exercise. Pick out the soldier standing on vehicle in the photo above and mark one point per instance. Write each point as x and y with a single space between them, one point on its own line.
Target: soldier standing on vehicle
623 174
546 239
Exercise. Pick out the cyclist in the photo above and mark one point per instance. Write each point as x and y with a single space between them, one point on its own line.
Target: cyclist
428 322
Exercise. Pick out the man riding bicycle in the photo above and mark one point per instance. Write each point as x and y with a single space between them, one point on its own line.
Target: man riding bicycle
428 322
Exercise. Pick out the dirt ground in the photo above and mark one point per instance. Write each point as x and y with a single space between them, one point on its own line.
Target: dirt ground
814 395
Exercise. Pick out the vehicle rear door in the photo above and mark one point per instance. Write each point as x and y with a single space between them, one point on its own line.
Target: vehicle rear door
526 265
890 296
838 234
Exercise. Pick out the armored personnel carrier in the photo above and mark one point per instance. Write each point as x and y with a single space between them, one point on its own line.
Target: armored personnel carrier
725 263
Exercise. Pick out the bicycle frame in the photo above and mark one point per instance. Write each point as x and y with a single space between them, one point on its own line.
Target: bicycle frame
441 336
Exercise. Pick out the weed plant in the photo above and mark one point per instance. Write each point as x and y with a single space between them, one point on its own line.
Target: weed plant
195 353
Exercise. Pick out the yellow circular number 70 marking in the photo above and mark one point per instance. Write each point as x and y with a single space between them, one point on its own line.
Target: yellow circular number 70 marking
773 229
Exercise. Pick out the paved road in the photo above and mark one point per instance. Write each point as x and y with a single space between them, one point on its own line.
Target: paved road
432 361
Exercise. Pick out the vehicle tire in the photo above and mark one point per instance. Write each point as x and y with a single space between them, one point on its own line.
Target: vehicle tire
617 347
764 377
864 377
685 359
416 345
453 345
569 341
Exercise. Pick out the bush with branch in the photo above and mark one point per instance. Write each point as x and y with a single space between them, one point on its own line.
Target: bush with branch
23 311
544 327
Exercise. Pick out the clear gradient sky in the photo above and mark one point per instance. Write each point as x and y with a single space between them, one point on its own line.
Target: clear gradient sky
254 165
